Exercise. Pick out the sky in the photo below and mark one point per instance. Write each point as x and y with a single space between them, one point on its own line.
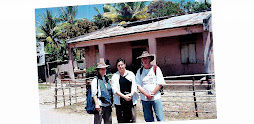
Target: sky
84 11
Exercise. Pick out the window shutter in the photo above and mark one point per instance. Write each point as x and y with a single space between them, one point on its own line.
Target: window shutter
192 53
184 53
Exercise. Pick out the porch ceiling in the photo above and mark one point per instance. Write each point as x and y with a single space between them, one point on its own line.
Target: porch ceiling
170 23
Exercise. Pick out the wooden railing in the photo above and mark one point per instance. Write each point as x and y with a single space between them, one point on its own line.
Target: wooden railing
207 82
209 87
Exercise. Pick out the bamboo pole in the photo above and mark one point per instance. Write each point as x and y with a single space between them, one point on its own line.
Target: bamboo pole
194 96
70 91
63 93
75 92
55 89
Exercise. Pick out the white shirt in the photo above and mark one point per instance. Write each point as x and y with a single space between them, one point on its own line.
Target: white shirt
116 87
94 90
148 81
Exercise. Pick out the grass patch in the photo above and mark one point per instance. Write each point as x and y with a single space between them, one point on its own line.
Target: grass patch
43 86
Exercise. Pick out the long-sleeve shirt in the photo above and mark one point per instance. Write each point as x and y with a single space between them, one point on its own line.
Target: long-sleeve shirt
116 86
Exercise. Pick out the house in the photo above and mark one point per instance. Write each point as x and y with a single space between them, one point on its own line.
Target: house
182 44
41 61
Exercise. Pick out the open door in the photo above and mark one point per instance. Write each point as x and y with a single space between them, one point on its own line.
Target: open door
136 64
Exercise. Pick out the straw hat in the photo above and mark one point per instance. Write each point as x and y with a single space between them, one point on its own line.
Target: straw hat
101 65
146 54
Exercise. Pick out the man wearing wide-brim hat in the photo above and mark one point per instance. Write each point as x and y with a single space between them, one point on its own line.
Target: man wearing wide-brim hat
149 80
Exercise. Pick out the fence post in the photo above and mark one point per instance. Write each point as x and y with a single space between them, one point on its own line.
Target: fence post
70 91
63 92
194 94
75 86
55 90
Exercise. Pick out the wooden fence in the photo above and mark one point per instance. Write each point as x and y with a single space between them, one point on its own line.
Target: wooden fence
207 83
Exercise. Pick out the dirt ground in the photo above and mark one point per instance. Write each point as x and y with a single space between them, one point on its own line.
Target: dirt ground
76 114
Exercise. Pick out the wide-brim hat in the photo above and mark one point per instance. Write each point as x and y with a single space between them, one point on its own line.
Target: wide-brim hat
101 65
146 54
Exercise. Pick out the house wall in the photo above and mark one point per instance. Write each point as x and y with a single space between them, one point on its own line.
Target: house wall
118 50
115 51
169 56
90 55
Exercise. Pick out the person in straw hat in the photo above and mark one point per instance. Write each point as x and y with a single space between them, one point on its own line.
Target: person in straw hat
102 95
149 80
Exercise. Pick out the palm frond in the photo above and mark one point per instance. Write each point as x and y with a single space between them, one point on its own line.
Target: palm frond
110 15
110 8
96 9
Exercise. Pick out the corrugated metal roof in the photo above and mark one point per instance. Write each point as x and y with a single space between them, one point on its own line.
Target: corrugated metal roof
173 22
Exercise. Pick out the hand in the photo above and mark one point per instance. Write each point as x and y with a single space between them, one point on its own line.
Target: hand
97 107
127 97
150 96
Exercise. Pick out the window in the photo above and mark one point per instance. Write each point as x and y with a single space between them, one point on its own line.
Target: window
188 53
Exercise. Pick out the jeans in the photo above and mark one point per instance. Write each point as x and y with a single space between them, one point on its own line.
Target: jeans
148 111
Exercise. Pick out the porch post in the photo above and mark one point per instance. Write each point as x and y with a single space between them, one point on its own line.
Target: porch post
152 48
102 51
70 52
206 44
70 64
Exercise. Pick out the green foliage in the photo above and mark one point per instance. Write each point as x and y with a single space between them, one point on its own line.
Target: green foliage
78 54
162 8
109 75
195 6
81 27
126 12
68 14
101 21
54 34
43 86
91 69
55 53
48 30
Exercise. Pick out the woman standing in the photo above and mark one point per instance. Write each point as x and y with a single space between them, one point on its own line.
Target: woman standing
125 90
102 95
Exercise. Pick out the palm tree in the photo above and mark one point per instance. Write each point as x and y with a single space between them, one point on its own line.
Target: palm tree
130 11
48 29
100 21
68 14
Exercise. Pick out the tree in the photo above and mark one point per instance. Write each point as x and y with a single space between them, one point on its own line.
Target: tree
48 30
81 27
195 6
124 12
68 14
162 8
100 21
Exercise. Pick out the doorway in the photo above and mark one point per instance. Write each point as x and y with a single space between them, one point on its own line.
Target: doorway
136 64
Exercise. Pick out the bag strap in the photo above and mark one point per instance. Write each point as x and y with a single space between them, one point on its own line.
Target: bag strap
97 86
141 70
154 69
